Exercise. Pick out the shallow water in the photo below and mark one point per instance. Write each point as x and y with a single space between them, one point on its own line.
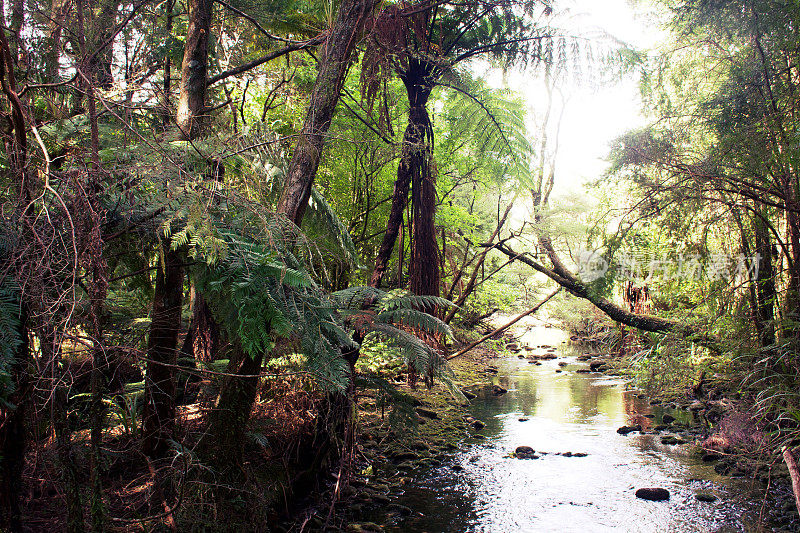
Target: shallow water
483 489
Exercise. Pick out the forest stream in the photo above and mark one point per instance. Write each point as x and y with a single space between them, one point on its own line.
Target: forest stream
554 409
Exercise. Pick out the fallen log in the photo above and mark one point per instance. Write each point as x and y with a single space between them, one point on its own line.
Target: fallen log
794 473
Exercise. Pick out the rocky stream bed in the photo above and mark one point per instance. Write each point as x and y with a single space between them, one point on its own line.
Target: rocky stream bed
550 439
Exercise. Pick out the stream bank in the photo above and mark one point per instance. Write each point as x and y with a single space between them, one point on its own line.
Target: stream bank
596 441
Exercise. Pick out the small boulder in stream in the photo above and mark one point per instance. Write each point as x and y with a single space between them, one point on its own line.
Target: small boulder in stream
477 425
624 430
653 494
497 390
597 366
525 452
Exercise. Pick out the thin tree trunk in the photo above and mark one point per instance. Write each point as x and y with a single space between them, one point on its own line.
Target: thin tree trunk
765 284
478 266
505 326
334 60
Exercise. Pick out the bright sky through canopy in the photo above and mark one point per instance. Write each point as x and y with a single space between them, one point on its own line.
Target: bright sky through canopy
593 116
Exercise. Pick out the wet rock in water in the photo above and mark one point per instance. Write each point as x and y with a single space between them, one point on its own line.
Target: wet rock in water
696 405
427 413
562 363
559 371
525 452
523 419
723 468
548 356
364 527
583 371
668 419
456 468
654 494
624 430
469 395
567 454
711 457
579 454
521 356
399 457
596 366
705 497
661 427
585 357
512 346
397 509
672 440
497 390
537 363
477 425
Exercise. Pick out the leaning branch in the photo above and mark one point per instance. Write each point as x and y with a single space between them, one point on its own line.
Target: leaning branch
505 326
263 59
560 275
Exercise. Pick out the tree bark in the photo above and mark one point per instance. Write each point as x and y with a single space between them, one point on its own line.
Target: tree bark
158 417
194 71
14 435
765 285
222 443
334 61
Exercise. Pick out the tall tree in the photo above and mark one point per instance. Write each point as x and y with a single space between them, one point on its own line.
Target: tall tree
424 44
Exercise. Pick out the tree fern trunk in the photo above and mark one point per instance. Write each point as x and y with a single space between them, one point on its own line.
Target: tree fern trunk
13 434
223 441
158 418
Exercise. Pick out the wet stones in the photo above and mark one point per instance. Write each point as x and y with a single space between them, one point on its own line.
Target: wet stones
672 440
525 452
598 366
668 419
624 430
705 497
653 494
364 527
497 390
427 413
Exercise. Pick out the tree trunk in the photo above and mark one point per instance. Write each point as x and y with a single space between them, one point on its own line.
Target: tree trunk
424 274
194 71
223 440
411 138
158 417
14 435
334 60
765 284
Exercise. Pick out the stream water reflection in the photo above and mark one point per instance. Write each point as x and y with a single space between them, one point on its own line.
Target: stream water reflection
483 489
